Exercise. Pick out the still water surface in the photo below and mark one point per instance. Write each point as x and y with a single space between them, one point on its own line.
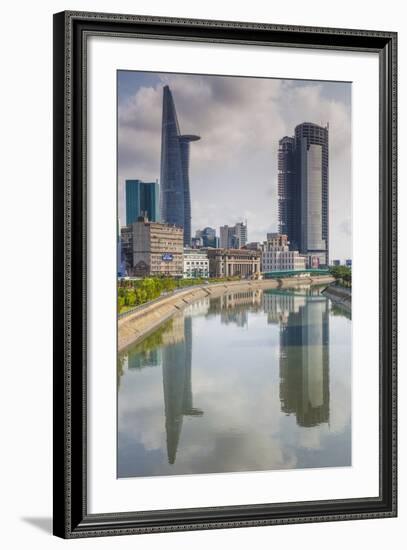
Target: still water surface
255 380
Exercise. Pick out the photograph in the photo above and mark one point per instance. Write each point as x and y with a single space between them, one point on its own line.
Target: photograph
234 274
225 273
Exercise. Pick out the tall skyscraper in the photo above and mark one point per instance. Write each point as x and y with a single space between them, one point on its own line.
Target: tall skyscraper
175 196
141 200
240 234
289 202
303 190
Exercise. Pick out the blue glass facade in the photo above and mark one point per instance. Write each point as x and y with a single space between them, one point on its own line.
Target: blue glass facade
208 236
141 198
175 197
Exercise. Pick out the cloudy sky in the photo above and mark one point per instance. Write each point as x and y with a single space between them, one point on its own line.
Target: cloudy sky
233 168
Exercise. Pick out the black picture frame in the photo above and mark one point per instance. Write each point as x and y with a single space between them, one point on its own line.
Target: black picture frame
71 519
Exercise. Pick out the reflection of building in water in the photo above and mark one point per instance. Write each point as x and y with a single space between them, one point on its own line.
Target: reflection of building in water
176 334
233 306
238 315
140 359
177 385
233 299
279 304
147 353
304 362
199 307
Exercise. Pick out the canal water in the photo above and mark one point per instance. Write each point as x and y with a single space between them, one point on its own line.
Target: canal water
254 380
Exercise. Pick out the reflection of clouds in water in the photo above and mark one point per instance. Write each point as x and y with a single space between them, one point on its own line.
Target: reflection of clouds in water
235 452
236 382
147 425
340 406
310 438
341 374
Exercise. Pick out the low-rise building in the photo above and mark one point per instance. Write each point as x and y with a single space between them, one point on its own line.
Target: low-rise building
196 263
153 249
276 255
314 261
232 262
254 245
126 243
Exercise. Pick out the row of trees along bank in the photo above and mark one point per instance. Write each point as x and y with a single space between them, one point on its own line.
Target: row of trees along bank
342 275
133 293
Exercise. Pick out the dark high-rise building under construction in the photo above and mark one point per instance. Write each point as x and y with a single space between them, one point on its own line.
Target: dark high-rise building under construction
303 191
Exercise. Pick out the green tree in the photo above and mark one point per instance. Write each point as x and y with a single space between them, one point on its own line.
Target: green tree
342 274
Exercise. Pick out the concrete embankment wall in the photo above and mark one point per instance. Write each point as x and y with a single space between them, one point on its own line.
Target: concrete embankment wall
340 296
290 282
145 319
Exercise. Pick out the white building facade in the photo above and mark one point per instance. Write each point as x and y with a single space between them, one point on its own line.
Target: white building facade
276 255
196 263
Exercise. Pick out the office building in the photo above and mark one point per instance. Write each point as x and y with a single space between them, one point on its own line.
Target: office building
225 236
208 237
142 199
126 245
230 262
278 241
196 242
303 189
196 263
153 249
121 270
175 196
289 203
234 236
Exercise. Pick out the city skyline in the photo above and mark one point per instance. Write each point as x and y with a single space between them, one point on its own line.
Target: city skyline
230 114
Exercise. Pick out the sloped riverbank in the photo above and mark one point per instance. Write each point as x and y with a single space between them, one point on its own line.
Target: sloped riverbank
340 296
143 320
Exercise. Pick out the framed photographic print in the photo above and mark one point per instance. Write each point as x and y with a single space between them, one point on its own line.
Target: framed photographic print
224 274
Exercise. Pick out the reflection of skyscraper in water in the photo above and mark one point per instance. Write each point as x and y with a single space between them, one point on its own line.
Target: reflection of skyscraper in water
304 363
148 352
177 385
280 304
